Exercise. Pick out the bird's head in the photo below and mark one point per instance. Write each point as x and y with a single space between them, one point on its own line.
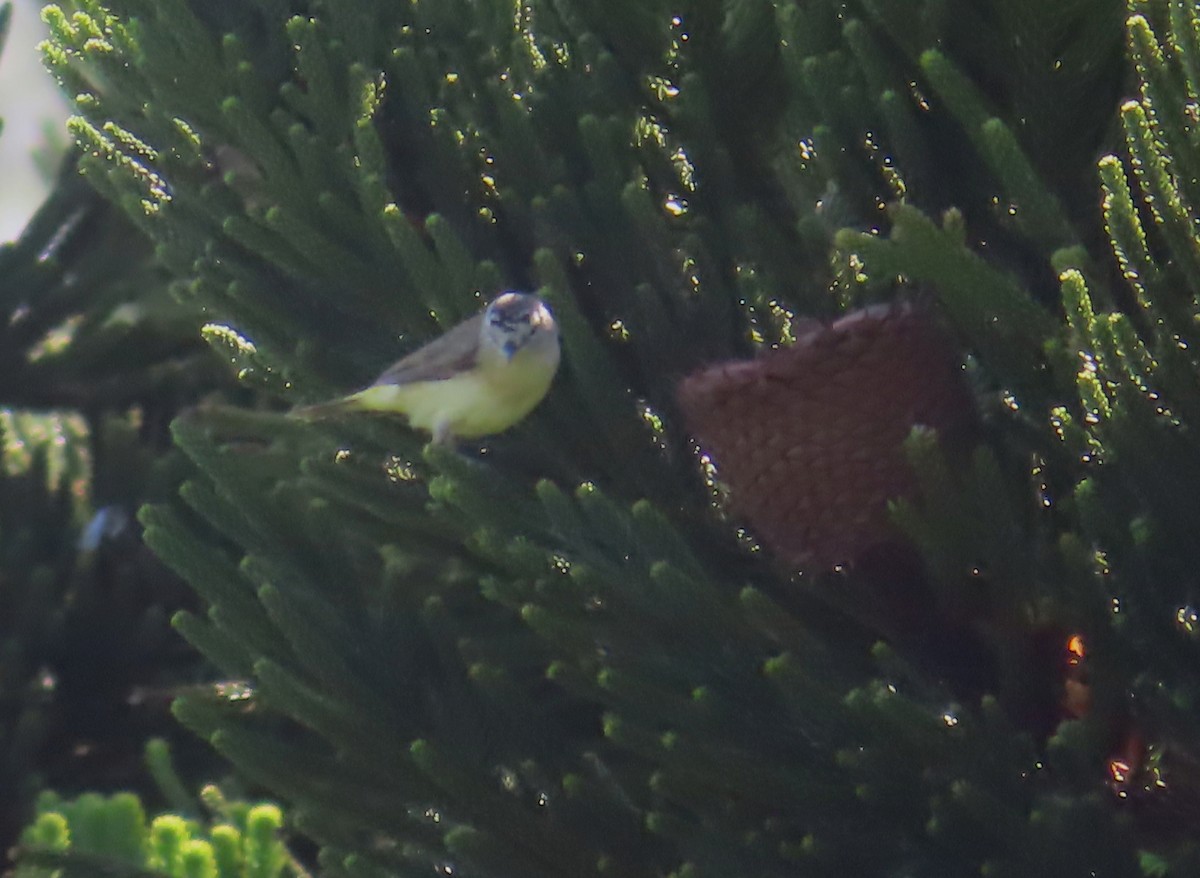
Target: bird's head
514 321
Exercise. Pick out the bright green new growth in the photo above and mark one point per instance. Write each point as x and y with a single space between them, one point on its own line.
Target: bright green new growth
111 834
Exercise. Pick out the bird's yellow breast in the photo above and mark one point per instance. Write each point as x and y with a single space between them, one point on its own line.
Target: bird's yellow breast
487 399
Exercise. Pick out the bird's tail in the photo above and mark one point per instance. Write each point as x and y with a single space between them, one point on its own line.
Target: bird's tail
321 410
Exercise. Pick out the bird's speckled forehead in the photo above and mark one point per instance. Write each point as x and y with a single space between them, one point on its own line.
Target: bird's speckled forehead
510 308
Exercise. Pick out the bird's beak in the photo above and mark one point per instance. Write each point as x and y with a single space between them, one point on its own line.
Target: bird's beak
509 348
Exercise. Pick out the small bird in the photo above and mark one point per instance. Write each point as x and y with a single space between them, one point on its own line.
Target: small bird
480 378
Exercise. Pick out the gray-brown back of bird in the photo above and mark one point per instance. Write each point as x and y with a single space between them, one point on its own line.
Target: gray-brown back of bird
441 358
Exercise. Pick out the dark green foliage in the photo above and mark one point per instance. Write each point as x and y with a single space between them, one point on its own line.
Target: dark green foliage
86 322
551 655
95 357
32 524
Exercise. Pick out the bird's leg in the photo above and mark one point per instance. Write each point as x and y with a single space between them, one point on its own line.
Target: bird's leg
442 434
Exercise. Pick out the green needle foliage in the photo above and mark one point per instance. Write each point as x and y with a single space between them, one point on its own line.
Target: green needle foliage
551 655
84 611
95 358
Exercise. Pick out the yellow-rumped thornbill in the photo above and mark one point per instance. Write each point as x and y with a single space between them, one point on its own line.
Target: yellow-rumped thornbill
479 378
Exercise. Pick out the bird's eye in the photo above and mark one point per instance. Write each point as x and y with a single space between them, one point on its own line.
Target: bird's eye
509 321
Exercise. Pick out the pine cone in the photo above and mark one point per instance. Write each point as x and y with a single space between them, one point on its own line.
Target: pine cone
808 437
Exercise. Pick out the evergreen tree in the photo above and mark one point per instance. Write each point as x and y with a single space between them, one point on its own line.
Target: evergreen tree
95 358
562 652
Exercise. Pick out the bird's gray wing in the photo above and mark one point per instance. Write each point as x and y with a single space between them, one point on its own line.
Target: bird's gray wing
441 358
